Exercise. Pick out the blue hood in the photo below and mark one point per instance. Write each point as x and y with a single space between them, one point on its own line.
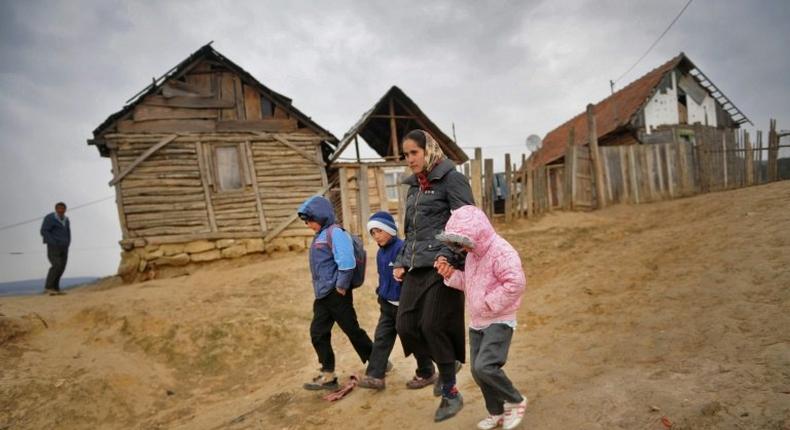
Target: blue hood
318 209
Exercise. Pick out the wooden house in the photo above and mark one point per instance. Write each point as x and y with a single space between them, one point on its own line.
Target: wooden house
671 103
209 163
373 184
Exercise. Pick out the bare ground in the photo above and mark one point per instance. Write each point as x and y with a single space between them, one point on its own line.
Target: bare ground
677 310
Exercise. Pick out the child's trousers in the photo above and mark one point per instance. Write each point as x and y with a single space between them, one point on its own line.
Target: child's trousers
384 341
332 309
489 348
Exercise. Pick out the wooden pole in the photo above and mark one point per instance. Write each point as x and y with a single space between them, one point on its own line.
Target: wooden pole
489 193
659 169
759 156
549 193
523 193
363 202
509 196
668 161
632 173
204 175
513 192
647 152
345 203
477 178
393 131
356 147
772 151
598 172
384 204
256 190
748 158
570 173
402 191
530 192
724 157
607 174
119 195
623 173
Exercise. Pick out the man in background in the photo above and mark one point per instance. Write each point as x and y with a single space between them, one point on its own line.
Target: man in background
56 232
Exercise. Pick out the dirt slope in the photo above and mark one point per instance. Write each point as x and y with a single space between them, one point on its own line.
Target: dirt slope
679 309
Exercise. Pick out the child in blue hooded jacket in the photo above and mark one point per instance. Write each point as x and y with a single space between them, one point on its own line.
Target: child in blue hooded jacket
332 266
384 230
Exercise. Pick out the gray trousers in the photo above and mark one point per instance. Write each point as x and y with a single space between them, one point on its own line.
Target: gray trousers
489 348
58 256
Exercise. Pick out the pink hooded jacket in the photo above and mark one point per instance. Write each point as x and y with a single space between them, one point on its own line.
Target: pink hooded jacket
493 280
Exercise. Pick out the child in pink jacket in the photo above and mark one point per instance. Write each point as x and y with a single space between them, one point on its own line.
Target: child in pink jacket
493 282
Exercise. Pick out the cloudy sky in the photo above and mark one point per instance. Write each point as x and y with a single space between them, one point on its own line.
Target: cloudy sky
499 70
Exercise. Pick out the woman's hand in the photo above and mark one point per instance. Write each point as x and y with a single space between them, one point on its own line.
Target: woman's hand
341 291
398 273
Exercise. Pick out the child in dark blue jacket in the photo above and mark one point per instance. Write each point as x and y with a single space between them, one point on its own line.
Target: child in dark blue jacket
382 227
332 266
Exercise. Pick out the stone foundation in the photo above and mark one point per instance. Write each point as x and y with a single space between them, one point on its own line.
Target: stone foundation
154 261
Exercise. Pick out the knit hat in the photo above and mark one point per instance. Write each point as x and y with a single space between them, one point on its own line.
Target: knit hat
384 221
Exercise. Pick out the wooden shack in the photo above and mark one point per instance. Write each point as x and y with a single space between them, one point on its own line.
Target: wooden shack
209 163
366 185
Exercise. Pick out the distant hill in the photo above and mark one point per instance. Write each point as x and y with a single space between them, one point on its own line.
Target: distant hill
36 286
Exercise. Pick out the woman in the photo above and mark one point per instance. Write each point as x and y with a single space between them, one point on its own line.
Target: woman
430 319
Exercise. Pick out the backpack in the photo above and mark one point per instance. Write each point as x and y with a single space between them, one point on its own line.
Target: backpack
361 257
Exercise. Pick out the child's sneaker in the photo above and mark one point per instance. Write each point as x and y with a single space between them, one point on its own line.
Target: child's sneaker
324 381
372 383
491 422
514 413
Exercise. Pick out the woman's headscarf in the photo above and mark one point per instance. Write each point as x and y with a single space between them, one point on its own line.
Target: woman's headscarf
433 156
433 153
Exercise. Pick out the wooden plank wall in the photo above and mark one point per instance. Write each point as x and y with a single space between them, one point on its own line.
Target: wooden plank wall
286 179
164 194
167 195
207 98
375 185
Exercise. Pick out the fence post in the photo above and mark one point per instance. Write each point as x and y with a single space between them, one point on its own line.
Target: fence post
477 178
623 173
592 135
570 172
759 156
523 194
363 202
659 169
488 165
529 184
345 204
724 157
748 158
509 196
632 173
773 151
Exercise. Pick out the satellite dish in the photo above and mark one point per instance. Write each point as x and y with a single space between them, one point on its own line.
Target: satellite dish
534 142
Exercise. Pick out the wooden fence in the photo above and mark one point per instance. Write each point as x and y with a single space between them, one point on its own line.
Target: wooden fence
681 161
